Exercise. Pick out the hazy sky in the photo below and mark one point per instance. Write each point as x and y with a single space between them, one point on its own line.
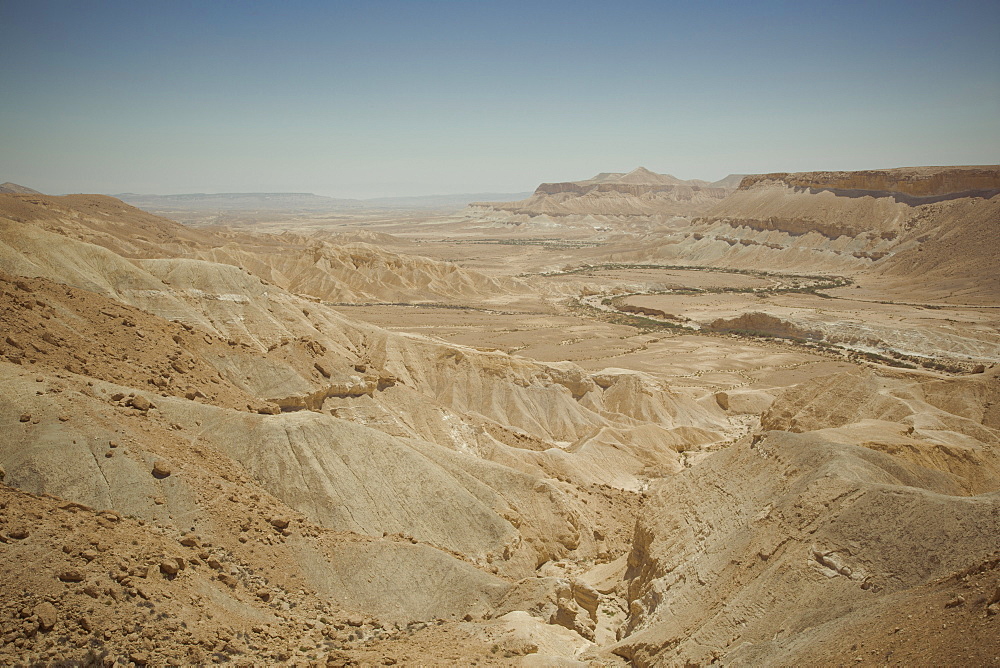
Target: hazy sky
368 98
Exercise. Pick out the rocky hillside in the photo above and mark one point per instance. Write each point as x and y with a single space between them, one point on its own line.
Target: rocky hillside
636 193
222 425
202 462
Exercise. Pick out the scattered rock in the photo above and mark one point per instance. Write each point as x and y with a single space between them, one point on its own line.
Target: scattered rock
25 417
47 615
169 567
280 522
18 533
140 402
161 469
71 575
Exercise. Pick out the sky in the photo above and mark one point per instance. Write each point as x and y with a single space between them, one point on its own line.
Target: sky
372 98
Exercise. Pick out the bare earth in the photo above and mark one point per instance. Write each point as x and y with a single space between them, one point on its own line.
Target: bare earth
762 430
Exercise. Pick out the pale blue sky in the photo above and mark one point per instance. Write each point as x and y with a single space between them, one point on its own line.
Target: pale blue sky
364 99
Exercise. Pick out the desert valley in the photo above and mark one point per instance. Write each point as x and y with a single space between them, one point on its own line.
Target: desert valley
629 420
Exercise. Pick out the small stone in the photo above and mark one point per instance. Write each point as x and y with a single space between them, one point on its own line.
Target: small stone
140 402
25 417
117 396
169 567
71 575
993 609
161 469
189 541
280 522
139 658
89 555
3 473
18 533
214 564
91 591
47 615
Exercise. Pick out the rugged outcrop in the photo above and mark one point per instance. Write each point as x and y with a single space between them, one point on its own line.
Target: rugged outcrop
764 324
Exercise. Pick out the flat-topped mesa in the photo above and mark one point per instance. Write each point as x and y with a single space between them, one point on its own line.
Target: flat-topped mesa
640 192
637 182
908 182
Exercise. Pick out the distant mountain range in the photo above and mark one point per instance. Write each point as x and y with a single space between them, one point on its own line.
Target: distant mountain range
304 202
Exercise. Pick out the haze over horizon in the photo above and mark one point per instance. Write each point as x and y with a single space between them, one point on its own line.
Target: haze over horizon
402 99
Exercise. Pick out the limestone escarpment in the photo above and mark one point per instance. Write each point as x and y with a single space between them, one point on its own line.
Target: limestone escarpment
882 202
917 182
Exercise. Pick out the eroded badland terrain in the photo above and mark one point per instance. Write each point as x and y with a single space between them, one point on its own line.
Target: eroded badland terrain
632 420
